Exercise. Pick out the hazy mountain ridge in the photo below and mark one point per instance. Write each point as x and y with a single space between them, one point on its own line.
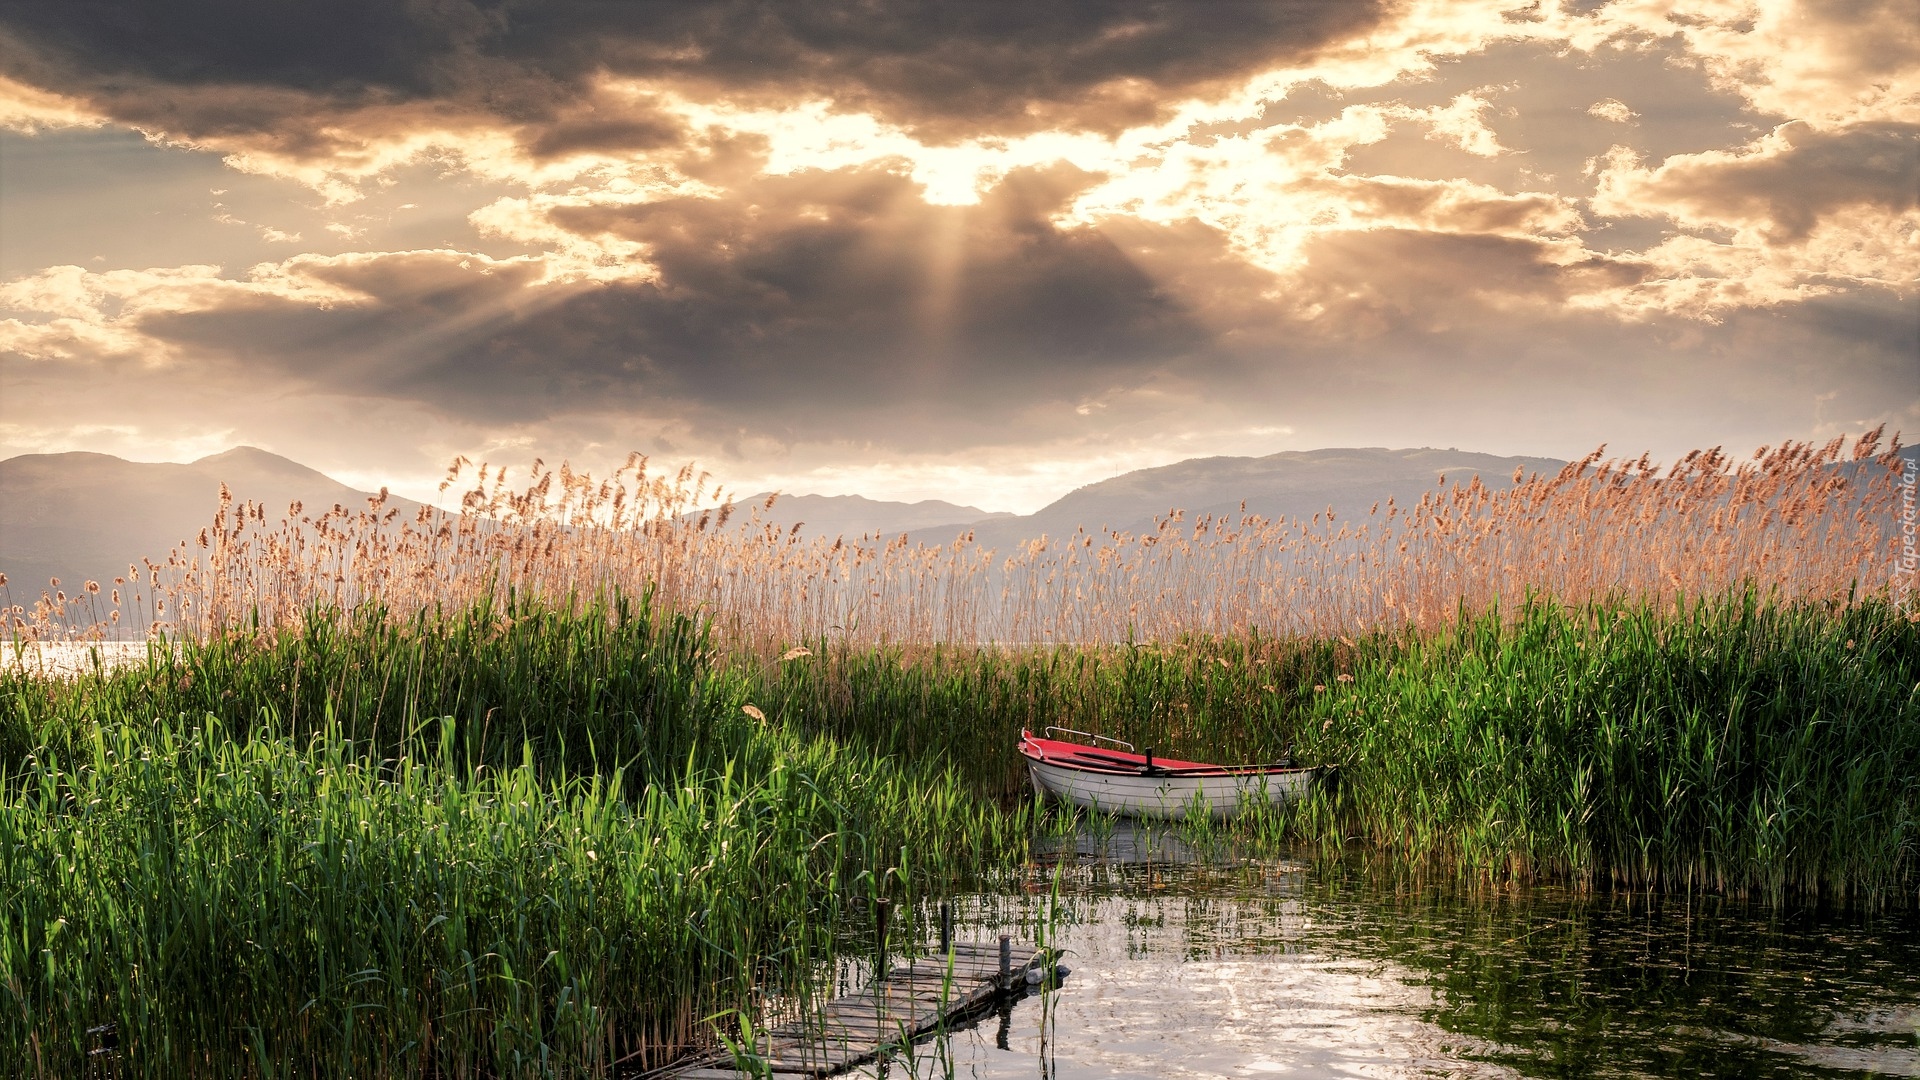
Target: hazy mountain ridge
1292 484
857 515
82 515
79 515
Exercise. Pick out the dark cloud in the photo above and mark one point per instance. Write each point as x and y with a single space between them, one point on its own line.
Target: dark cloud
1385 282
411 312
1436 334
839 304
1868 39
846 289
800 300
1806 176
572 134
347 49
1541 100
838 308
1449 208
223 67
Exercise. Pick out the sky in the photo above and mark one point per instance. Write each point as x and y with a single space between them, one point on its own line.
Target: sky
984 252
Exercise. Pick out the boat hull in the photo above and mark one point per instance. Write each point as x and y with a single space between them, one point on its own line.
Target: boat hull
1161 797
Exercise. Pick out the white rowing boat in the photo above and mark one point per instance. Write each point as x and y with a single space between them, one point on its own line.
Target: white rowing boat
1141 785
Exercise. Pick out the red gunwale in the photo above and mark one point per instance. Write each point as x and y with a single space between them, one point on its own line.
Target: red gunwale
1097 759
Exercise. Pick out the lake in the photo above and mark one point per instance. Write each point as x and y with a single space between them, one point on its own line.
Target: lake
1185 966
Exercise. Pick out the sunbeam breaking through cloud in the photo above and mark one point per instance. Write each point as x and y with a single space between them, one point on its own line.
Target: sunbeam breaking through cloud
853 248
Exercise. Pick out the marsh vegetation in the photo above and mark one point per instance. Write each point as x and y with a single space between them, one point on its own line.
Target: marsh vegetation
554 785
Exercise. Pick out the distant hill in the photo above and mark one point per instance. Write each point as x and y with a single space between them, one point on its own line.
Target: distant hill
1294 484
77 516
856 515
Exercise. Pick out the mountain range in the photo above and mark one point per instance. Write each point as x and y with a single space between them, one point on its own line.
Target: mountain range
80 516
1292 484
76 516
857 515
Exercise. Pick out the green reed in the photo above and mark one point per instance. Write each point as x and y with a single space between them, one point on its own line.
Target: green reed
588 682
1728 744
607 853
540 838
1243 697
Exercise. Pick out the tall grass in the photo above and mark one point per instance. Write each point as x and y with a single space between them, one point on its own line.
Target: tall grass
379 888
1242 697
1732 743
1807 522
1726 744
539 787
611 679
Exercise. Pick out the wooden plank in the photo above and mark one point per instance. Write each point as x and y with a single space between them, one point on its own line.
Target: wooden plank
820 1059
865 1024
970 965
986 948
910 1001
777 1066
883 1025
894 1001
848 1028
858 1034
875 1034
979 956
711 1070
935 979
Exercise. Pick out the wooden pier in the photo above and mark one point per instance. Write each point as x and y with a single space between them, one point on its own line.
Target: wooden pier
912 1000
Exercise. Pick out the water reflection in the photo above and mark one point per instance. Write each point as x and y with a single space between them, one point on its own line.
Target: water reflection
1125 843
1184 967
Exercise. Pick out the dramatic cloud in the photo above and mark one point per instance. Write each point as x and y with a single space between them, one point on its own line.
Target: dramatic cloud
1058 238
213 70
846 294
1782 186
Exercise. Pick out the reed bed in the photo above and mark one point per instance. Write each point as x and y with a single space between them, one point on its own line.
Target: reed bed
1804 521
1726 744
1732 744
1242 697
548 784
535 841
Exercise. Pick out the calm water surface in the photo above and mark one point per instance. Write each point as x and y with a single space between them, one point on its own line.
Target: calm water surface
1184 969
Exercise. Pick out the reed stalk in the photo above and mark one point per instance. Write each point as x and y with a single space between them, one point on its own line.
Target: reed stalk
532 842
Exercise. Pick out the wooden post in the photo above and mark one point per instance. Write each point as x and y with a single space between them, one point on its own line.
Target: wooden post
1006 961
881 909
946 928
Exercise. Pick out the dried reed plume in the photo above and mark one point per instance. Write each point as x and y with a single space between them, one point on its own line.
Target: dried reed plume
1800 520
